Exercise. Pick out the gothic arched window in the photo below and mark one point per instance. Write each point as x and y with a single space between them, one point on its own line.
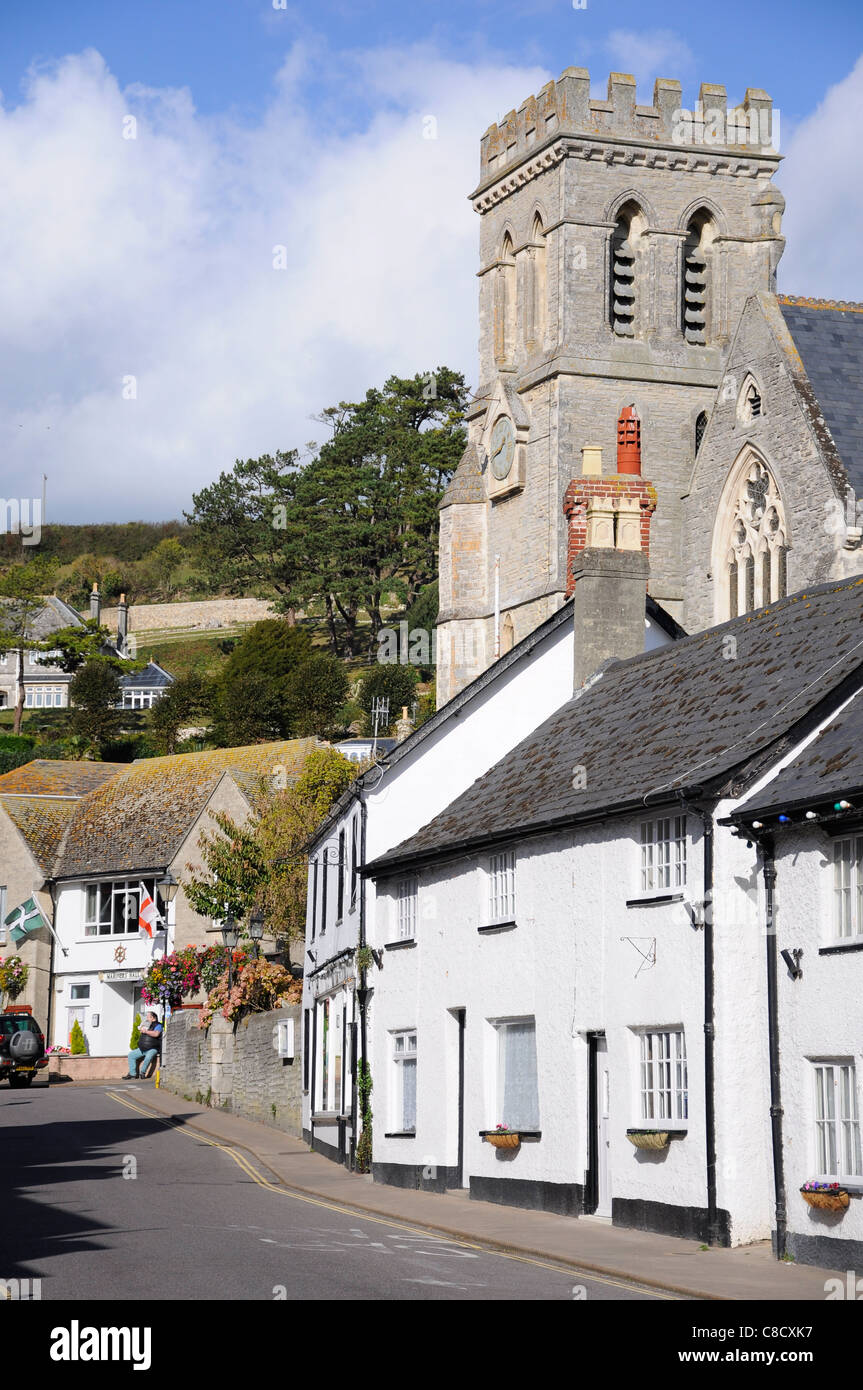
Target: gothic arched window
752 559
695 286
749 404
504 303
535 284
507 635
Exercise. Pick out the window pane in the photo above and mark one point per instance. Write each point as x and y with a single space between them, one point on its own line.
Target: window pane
520 1091
409 1094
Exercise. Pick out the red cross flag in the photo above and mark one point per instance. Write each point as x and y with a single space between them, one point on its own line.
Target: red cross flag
148 914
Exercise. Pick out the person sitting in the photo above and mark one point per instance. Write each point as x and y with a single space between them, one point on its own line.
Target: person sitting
149 1044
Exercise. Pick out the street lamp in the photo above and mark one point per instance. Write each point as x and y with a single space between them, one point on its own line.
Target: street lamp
230 936
256 928
168 886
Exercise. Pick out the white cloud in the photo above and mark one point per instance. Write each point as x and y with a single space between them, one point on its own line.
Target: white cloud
648 54
820 178
153 257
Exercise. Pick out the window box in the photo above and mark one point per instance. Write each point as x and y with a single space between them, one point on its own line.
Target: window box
509 1138
825 1198
406 945
654 1138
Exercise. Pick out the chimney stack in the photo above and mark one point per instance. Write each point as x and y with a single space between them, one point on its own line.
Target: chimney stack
95 603
122 624
609 552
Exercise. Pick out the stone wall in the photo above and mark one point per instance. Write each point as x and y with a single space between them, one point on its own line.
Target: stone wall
236 1071
204 615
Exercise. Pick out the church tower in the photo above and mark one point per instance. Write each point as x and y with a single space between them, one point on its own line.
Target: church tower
618 245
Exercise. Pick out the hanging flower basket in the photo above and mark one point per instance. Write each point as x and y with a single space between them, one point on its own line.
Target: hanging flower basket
648 1138
503 1138
825 1196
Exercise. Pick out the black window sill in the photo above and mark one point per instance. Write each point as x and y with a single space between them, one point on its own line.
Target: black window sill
402 1134
655 899
328 1117
400 945
658 1129
530 1134
496 927
841 948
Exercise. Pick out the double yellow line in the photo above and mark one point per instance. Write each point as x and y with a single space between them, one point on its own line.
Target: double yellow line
241 1160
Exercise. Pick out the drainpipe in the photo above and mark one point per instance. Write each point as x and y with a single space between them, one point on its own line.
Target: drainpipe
362 992
713 1233
497 606
769 872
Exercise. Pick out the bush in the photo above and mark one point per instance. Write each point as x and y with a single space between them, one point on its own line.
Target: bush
315 692
136 1031
259 987
77 1044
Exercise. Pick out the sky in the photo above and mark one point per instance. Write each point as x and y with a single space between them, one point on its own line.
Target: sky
220 216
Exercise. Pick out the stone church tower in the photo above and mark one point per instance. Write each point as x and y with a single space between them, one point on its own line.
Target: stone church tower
618 246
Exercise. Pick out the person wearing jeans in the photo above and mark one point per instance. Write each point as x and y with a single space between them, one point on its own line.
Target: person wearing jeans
149 1042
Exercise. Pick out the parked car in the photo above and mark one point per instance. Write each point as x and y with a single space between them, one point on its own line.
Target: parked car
22 1046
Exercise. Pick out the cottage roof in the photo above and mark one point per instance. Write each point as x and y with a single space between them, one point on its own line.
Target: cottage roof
828 334
830 766
55 777
678 720
42 821
139 819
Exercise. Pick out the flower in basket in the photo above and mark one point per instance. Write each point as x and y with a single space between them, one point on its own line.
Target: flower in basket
504 1129
813 1186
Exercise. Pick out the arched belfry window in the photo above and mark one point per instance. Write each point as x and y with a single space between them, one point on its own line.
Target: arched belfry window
504 303
535 283
623 280
695 281
751 563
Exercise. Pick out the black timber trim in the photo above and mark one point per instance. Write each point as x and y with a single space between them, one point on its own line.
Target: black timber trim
561 1198
655 901
667 1219
493 927
840 950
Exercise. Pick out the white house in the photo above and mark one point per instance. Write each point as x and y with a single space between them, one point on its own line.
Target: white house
575 947
417 780
805 830
141 827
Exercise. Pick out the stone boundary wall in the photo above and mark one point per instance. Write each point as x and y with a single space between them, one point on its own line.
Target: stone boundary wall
204 615
236 1071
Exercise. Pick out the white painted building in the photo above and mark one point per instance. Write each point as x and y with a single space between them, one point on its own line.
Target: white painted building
419 778
583 955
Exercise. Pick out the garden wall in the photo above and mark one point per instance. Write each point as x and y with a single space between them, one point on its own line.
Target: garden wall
236 1071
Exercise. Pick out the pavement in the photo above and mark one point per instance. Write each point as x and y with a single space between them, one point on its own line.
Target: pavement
585 1245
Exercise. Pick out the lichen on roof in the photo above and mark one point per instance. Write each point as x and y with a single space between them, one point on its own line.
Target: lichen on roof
42 821
56 777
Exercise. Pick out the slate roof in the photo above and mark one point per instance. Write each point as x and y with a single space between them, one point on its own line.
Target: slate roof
153 677
829 337
42 821
831 766
684 718
139 819
54 777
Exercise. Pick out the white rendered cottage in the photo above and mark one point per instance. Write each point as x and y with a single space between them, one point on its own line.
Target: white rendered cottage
575 947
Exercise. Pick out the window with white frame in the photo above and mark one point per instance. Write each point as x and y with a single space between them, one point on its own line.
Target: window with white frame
663 854
517 1082
405 1082
837 1124
663 1080
43 697
501 887
848 886
406 917
112 909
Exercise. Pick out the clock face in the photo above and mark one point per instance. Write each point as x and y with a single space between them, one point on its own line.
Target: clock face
502 449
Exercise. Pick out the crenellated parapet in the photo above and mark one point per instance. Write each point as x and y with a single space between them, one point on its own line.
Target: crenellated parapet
565 107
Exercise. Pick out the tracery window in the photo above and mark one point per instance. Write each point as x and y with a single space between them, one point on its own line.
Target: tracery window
756 556
535 284
504 302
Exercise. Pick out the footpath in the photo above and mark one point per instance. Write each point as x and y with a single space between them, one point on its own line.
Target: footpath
676 1266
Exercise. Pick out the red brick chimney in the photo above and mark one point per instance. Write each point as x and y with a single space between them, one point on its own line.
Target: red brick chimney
613 509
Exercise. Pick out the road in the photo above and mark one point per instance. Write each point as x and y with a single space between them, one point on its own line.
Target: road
104 1201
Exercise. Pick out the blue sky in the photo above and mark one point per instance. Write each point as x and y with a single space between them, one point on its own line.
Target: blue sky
146 340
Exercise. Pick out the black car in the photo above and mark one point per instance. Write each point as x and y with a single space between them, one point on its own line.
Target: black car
22 1046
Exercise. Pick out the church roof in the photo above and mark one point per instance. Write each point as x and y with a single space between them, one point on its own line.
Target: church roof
681 719
830 766
466 484
828 334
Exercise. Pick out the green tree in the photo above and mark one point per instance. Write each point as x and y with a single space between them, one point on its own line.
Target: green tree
166 561
271 648
22 591
315 692
392 682
94 694
246 711
136 1030
77 1044
74 646
262 863
187 701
